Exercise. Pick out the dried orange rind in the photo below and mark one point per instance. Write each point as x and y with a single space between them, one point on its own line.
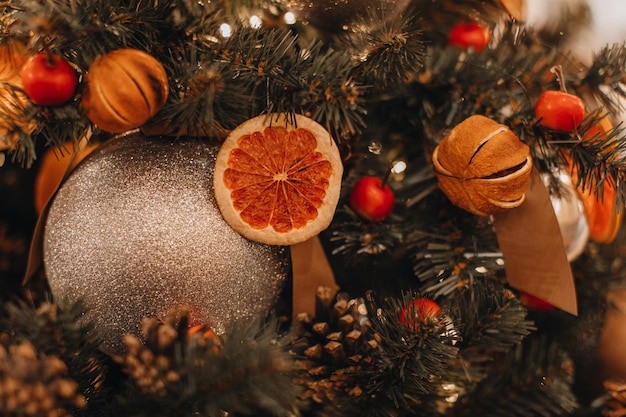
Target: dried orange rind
482 166
277 179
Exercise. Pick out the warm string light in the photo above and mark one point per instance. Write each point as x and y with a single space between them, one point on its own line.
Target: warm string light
255 22
226 30
398 167
289 18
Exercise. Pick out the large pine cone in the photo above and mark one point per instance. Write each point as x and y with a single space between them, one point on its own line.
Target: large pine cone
331 346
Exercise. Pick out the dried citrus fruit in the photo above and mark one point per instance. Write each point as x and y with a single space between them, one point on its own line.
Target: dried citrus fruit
482 166
277 179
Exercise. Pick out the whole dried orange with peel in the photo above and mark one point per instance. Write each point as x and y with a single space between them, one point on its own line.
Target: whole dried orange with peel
482 166
277 178
124 89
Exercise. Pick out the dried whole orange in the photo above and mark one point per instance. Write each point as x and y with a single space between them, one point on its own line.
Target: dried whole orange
482 166
124 89
277 179
13 121
13 55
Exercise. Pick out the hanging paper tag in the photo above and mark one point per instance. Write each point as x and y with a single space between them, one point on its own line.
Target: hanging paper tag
515 8
310 271
535 258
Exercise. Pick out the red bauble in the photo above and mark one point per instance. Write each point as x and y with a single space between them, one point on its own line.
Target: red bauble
420 310
535 303
558 110
371 199
469 35
48 80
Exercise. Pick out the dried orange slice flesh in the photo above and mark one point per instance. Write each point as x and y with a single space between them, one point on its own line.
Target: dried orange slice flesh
277 179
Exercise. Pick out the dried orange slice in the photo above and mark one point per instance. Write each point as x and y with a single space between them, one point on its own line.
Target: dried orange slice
277 179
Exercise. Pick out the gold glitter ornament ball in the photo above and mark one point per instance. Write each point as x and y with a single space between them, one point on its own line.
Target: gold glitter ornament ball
135 231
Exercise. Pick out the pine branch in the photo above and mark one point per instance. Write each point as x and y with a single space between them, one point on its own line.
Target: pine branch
446 254
56 331
534 379
401 374
605 77
390 54
493 319
178 373
355 239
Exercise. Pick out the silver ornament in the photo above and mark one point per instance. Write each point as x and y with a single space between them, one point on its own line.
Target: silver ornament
135 231
570 214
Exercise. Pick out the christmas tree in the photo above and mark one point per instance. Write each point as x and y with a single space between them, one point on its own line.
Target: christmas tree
255 207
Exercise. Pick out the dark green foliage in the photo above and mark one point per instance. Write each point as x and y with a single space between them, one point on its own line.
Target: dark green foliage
532 380
386 91
246 372
59 331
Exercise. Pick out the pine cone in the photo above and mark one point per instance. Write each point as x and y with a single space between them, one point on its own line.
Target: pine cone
331 346
616 403
152 365
35 385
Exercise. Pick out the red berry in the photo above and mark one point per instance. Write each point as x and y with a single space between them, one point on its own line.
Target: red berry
469 35
371 200
48 80
534 303
420 310
558 110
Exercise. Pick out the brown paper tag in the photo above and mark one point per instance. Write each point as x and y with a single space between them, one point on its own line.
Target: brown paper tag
311 270
515 8
535 258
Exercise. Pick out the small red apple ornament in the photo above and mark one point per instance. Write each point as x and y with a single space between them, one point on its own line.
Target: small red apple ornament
469 35
418 311
559 110
372 199
535 303
48 79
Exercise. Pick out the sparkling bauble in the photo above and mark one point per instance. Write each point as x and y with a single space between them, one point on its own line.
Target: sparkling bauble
135 231
338 16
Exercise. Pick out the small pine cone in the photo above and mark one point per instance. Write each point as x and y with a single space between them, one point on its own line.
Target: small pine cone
616 403
152 363
331 346
33 384
149 369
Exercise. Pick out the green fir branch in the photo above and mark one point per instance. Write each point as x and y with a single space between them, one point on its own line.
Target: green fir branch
244 372
445 255
606 76
533 379
61 331
390 54
409 360
493 319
